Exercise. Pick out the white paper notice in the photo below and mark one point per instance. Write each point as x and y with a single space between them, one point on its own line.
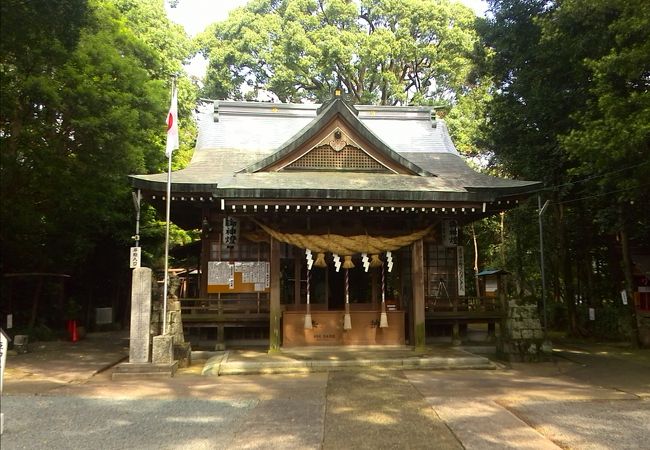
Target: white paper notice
219 272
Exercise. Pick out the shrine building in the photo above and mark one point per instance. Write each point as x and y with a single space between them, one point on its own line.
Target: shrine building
332 224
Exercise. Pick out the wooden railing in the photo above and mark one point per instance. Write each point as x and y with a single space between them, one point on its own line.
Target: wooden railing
463 307
230 311
254 311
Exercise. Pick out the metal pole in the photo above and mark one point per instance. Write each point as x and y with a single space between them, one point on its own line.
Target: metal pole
541 210
166 275
137 197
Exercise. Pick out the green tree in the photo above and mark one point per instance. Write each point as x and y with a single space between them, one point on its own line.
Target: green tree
570 108
380 51
82 109
615 120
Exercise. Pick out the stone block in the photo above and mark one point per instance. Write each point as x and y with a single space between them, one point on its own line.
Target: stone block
174 305
183 354
144 370
163 352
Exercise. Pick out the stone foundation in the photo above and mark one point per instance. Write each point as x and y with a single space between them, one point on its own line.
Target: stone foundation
522 338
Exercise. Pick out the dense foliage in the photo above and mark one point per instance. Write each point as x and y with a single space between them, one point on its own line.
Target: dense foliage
379 51
571 107
555 91
85 90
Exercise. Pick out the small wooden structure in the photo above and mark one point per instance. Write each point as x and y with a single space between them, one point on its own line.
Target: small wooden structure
329 224
491 282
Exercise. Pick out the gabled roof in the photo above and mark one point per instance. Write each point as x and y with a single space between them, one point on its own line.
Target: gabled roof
240 146
335 108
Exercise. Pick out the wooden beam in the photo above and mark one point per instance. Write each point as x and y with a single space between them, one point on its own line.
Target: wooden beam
274 300
417 270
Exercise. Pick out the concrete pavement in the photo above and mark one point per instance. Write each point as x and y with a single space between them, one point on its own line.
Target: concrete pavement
595 400
53 364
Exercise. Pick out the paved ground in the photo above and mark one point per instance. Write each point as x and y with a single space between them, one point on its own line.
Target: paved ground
59 396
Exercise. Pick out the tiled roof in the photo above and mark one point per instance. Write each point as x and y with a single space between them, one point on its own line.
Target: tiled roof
235 136
266 126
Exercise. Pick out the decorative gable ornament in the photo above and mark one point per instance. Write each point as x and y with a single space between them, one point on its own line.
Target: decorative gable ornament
338 143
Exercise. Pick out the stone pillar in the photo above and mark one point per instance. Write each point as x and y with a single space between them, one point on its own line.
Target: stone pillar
274 300
417 274
140 315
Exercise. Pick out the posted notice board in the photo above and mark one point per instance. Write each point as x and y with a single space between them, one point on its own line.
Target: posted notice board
239 276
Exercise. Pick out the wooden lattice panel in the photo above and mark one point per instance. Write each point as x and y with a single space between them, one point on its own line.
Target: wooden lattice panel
349 158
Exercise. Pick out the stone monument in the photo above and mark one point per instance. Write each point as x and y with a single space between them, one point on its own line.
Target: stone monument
140 315
140 364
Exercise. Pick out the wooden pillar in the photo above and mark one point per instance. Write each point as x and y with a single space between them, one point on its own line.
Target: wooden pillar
297 271
221 338
375 285
205 256
417 274
274 300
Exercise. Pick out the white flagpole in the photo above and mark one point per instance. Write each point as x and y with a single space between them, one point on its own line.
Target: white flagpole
166 274
167 214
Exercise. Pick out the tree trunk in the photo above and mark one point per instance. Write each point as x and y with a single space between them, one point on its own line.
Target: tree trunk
519 265
567 273
502 252
626 265
35 301
476 282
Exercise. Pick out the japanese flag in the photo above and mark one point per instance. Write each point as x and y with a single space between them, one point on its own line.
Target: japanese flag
172 124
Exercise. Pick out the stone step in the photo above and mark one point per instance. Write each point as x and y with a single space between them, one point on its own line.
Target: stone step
220 365
144 370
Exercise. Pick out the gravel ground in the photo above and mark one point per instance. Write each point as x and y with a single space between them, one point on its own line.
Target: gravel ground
591 425
381 410
73 422
58 397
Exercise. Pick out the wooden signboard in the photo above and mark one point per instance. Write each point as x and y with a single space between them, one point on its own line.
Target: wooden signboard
238 277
